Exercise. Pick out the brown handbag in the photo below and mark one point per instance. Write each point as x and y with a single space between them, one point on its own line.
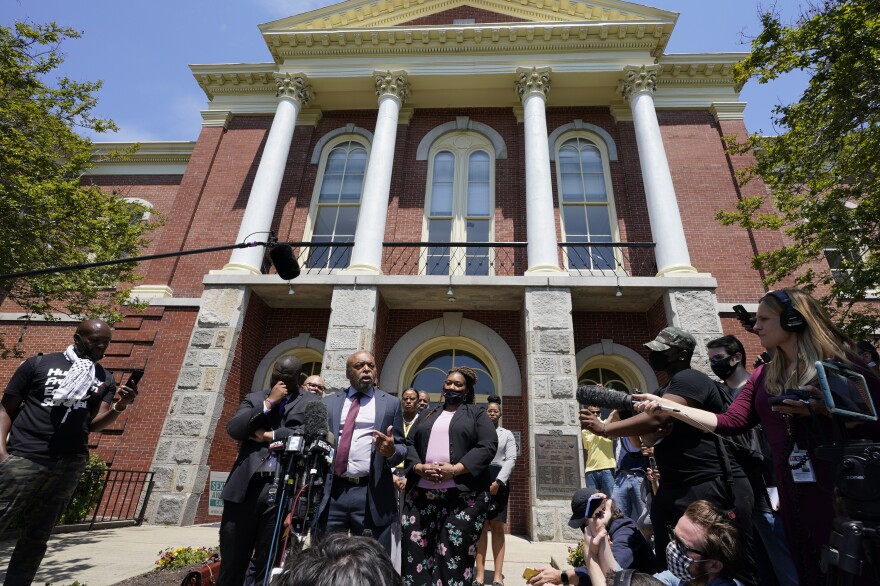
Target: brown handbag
206 574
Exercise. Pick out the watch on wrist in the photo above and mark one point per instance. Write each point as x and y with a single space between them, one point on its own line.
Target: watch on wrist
563 576
115 407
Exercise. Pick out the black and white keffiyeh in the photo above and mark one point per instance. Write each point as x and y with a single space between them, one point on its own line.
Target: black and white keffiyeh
78 381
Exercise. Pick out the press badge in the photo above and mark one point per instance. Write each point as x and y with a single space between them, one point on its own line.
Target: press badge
801 466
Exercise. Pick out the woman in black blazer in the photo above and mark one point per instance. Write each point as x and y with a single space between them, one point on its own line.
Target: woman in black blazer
447 484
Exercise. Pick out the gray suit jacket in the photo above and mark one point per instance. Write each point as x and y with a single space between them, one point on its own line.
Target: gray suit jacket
381 494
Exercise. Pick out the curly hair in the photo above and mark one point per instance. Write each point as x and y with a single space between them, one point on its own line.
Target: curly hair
470 381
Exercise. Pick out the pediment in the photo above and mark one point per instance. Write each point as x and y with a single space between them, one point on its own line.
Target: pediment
389 13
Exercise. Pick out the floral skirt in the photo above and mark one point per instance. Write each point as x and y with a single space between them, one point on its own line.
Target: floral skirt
440 530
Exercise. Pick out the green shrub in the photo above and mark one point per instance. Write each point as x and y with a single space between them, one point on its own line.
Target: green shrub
180 557
87 492
576 555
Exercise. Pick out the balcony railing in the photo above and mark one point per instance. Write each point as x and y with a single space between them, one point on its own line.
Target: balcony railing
630 259
493 259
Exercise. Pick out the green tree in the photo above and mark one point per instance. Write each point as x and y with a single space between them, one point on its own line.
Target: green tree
822 171
48 215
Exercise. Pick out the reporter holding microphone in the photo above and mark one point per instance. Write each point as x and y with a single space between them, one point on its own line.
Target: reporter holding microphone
793 327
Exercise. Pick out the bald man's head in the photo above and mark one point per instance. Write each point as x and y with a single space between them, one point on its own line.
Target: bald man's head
287 370
92 338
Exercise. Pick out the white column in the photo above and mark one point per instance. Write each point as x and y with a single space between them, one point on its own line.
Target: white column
671 247
293 92
532 86
392 87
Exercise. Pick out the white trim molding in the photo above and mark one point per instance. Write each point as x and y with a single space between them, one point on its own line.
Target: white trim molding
581 125
452 325
304 340
609 349
347 129
462 123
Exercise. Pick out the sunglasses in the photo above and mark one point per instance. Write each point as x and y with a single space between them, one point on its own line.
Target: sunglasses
680 544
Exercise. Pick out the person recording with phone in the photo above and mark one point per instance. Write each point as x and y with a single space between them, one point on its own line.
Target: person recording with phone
784 398
249 512
50 406
691 463
592 512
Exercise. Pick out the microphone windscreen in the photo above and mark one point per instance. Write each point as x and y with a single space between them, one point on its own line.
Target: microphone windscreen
284 261
315 425
331 439
597 396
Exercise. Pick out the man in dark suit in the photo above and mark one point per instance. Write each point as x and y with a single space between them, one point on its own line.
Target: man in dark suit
368 425
248 519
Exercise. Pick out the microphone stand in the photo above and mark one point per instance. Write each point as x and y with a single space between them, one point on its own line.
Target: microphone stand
289 478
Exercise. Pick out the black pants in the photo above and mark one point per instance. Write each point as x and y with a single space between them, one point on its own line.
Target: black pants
671 501
246 530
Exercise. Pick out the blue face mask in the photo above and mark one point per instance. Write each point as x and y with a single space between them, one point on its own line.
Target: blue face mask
453 397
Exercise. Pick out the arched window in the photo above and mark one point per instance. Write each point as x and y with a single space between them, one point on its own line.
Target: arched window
586 202
140 215
605 377
336 201
430 363
459 204
311 363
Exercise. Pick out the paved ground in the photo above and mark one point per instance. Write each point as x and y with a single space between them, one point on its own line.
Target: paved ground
104 557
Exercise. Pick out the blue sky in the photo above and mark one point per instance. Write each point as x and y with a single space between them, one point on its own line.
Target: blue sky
142 51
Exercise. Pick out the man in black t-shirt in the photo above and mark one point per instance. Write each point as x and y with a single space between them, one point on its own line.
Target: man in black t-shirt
689 460
48 409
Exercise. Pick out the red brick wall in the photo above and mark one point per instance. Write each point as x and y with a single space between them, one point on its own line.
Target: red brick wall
447 16
156 338
704 183
263 329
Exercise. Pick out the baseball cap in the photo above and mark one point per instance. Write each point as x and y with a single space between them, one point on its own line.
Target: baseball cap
579 502
672 337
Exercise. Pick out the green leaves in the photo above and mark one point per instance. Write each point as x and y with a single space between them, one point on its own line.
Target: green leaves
821 174
48 217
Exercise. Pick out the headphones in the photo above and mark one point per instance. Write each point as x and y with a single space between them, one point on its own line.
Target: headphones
623 577
790 319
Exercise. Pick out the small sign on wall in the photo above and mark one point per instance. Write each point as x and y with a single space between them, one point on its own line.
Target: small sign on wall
216 484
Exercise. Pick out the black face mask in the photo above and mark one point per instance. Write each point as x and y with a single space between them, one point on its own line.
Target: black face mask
453 397
722 367
659 361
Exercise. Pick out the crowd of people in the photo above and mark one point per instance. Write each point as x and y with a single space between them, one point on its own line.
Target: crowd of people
706 483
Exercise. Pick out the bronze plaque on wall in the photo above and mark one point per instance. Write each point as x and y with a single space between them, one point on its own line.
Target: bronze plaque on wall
558 472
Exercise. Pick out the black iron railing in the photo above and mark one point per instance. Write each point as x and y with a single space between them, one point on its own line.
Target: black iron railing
491 259
474 259
124 497
625 259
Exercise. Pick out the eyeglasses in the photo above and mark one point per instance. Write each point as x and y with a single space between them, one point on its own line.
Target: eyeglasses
680 544
315 386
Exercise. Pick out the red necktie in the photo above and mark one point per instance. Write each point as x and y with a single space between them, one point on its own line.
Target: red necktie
340 464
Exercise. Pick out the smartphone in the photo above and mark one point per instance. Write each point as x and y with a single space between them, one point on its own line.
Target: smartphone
745 318
652 462
790 394
530 573
592 504
135 377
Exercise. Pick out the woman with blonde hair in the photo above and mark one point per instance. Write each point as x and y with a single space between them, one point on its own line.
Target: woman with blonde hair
793 327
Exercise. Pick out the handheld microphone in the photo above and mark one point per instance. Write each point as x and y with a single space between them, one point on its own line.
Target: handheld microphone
284 261
610 399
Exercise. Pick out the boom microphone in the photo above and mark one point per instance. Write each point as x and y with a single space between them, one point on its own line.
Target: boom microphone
284 261
609 398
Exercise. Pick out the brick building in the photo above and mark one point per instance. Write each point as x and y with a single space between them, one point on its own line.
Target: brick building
525 186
